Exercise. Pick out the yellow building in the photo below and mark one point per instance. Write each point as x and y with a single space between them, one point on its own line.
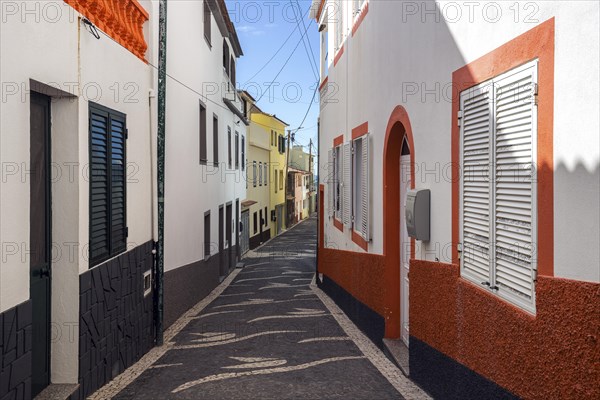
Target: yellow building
277 163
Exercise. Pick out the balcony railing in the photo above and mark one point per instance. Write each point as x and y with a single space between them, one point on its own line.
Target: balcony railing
123 20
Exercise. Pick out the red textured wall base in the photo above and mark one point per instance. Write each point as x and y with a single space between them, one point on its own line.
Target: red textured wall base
360 274
552 355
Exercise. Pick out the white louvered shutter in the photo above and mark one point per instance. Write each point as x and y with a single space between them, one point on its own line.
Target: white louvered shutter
515 156
476 187
330 182
347 184
365 160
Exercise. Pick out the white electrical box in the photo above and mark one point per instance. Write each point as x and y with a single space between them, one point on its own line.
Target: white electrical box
417 214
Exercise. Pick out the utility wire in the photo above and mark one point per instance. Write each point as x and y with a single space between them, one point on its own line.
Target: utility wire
206 97
284 65
313 68
277 52
310 54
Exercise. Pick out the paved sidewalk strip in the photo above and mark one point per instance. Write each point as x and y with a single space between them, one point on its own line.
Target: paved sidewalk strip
267 332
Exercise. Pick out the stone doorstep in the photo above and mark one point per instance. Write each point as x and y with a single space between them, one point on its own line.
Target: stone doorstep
397 352
58 391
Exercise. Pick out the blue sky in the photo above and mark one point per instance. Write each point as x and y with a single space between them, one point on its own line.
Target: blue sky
263 27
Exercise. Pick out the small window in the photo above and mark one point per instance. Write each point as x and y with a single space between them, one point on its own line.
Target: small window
280 179
275 173
266 222
203 156
325 49
108 205
229 146
360 186
243 153
357 7
216 140
339 24
254 173
207 235
207 22
237 150
260 174
232 71
266 173
225 57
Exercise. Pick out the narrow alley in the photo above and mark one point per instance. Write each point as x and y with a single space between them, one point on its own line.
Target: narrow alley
268 334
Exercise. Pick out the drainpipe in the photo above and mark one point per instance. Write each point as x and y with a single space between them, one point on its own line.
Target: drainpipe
160 142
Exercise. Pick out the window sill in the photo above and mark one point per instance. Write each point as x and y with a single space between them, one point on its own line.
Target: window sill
203 162
360 241
361 16
338 224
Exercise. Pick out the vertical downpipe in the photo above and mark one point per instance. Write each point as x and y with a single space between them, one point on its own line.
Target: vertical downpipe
162 91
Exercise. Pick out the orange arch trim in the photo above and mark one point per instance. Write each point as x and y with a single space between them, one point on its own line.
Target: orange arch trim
397 130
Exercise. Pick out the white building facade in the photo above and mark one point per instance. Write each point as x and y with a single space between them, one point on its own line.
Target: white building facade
76 198
205 164
478 103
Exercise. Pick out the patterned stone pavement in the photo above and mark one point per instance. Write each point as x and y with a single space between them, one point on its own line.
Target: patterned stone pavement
267 334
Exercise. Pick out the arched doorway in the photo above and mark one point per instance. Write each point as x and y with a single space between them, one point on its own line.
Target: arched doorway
398 136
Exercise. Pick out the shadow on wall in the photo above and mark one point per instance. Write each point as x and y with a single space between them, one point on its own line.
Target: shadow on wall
577 221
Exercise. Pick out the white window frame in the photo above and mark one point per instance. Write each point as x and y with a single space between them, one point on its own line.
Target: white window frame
357 8
339 16
337 182
491 86
363 188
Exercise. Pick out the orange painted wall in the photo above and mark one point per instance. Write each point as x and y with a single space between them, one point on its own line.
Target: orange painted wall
360 274
554 355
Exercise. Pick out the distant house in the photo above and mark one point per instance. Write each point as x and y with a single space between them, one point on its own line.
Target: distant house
493 116
260 178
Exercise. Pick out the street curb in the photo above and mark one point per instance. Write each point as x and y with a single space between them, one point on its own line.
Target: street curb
401 383
124 379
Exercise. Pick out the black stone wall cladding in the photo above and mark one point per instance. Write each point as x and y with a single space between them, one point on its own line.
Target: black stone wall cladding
444 378
186 286
255 240
15 349
116 325
367 320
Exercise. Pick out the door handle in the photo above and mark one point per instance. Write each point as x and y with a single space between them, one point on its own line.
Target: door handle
41 272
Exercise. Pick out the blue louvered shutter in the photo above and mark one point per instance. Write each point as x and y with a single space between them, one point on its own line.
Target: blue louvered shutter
99 187
108 217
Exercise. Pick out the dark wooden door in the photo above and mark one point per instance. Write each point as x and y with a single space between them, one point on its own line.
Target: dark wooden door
40 240
237 230
222 261
228 234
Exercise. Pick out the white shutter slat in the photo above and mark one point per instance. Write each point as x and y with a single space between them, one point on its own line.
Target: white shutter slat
514 187
365 223
330 182
347 184
476 126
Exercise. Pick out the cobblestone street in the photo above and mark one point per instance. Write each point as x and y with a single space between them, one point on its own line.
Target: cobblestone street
269 334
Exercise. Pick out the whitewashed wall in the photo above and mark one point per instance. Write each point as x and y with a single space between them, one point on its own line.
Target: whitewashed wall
190 188
397 47
51 46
